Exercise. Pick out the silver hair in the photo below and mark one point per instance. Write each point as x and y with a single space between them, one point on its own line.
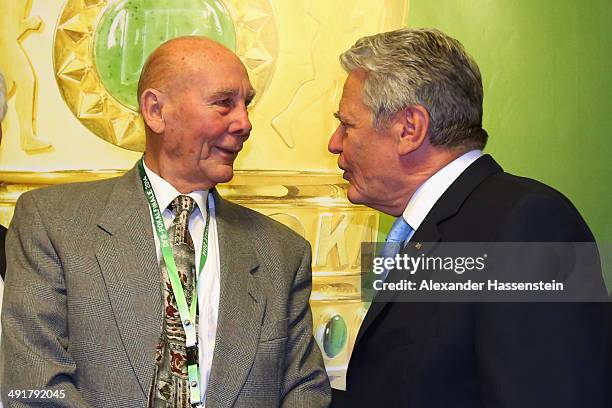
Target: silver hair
408 67
3 97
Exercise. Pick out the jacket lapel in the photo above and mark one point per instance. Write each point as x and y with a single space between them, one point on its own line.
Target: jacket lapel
241 306
428 234
131 272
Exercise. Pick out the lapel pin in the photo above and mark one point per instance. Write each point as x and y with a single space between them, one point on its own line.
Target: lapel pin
418 245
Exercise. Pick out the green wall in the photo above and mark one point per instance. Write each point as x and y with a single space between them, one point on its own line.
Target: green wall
547 73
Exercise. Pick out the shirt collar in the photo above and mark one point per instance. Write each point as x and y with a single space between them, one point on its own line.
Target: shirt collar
165 192
426 196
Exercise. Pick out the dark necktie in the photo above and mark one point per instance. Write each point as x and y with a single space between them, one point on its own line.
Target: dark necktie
170 386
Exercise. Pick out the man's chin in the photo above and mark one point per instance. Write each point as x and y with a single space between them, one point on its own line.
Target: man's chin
223 175
354 197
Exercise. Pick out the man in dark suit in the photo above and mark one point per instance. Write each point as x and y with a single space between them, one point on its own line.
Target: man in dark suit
93 313
410 143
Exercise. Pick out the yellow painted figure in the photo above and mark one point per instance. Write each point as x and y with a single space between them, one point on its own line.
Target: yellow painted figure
15 25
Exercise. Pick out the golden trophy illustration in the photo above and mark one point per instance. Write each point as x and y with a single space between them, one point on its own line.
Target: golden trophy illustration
72 67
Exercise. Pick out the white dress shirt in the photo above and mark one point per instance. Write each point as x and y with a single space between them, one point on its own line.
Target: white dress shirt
208 281
426 196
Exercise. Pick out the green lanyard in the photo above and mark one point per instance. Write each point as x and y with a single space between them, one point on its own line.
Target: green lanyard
187 314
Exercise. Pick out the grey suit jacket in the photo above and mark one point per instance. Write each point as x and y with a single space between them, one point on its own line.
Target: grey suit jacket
83 306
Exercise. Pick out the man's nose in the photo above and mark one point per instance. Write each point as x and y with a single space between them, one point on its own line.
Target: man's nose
241 124
335 141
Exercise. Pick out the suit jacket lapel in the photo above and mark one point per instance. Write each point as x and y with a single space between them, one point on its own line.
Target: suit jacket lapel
131 272
428 234
241 306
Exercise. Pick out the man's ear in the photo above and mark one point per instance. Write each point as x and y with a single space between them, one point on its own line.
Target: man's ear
415 124
151 107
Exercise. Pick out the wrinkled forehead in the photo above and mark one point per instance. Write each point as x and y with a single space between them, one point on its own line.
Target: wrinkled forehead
354 82
185 58
352 92
221 80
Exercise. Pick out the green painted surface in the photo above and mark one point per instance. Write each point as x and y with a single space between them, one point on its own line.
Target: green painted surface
335 336
131 29
546 71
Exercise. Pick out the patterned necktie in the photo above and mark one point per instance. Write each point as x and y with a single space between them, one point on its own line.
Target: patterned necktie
170 386
399 232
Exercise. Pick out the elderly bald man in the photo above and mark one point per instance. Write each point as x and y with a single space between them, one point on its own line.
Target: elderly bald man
150 289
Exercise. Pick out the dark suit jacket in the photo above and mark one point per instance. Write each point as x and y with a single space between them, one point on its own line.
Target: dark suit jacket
2 255
83 307
473 355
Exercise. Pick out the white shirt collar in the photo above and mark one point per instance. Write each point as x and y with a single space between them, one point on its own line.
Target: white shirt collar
426 196
165 192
